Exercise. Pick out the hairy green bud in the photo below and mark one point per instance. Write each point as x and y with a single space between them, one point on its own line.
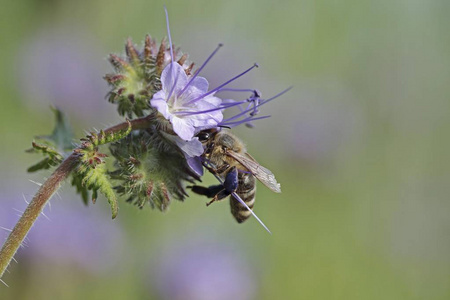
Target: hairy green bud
137 76
150 169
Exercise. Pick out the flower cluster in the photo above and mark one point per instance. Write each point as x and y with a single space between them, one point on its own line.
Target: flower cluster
186 103
156 151
156 86
158 81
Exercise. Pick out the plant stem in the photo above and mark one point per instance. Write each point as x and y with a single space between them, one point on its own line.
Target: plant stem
33 210
46 191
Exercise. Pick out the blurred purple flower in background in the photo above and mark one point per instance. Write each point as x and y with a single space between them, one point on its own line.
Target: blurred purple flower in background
72 234
322 128
62 67
203 268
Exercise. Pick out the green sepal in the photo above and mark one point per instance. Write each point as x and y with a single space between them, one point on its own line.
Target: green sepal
91 174
136 76
149 170
93 140
95 178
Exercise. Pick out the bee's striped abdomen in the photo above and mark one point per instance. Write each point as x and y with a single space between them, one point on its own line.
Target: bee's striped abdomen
247 191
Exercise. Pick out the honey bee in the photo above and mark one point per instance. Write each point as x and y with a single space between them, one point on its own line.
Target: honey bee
225 156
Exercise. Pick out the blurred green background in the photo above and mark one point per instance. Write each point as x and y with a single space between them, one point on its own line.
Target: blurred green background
360 146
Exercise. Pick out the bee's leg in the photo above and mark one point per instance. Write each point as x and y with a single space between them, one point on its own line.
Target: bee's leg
219 192
219 196
219 170
229 186
223 168
231 180
209 192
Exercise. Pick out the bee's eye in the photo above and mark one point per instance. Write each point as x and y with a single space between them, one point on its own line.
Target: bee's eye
203 136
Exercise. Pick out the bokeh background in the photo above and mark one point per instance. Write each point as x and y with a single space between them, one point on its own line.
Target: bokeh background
360 145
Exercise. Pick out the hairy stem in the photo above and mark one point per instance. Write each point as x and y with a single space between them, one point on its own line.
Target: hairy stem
33 210
45 192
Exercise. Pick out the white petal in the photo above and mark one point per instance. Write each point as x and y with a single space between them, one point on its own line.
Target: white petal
200 83
183 128
213 100
160 104
173 74
197 88
191 148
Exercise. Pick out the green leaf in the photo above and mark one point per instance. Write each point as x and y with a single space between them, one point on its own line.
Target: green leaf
62 134
53 146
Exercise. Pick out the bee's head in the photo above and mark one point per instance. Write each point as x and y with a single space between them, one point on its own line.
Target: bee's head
206 136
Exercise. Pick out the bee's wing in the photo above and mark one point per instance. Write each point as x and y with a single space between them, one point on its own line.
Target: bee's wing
262 174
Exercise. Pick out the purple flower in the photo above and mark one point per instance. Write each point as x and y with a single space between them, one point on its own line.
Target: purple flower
60 66
191 149
203 268
186 103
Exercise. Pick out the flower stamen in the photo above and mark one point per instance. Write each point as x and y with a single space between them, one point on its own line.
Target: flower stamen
224 84
171 53
246 120
168 33
252 109
186 113
200 69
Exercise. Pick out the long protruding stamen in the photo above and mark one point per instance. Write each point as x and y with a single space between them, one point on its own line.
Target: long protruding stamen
200 69
236 90
222 85
246 120
168 33
171 54
187 113
259 105
254 100
242 202
174 83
